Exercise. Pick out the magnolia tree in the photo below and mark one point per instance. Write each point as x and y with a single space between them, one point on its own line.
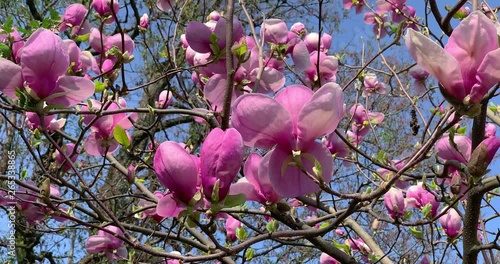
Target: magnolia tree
194 131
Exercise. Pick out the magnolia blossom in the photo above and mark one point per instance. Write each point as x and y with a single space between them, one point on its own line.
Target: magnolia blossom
256 184
364 119
327 259
372 85
395 202
165 5
144 21
418 197
451 222
467 67
49 122
299 117
42 74
221 156
231 225
68 151
14 40
357 4
299 29
178 171
107 9
165 99
73 18
313 41
419 75
108 243
101 140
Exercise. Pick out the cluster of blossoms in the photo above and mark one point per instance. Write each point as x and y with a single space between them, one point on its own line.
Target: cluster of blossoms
387 13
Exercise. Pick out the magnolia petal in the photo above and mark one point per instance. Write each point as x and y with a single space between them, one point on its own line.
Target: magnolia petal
248 189
70 90
97 146
259 132
293 98
10 78
169 207
437 62
96 244
165 5
447 152
473 38
289 180
44 58
488 74
322 114
266 187
176 170
215 90
220 156
198 37
300 56
274 31
271 80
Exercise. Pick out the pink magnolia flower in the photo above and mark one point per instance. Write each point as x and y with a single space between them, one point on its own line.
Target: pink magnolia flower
299 29
358 4
327 259
151 212
109 243
395 203
378 20
50 123
451 222
328 66
221 156
358 245
80 61
362 119
274 31
490 130
312 39
44 62
463 149
144 21
15 40
106 8
256 184
68 151
102 43
387 175
73 18
372 85
419 75
231 225
467 66
176 170
165 5
101 140
336 145
299 117
198 34
418 197
165 99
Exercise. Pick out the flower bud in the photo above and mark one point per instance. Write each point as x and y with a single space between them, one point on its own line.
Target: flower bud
144 22
451 223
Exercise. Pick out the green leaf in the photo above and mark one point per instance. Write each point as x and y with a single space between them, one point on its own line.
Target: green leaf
241 233
416 232
381 157
462 130
83 38
5 51
151 110
114 51
8 26
318 170
324 224
343 247
426 210
249 254
239 50
407 215
54 15
234 200
99 86
272 226
121 136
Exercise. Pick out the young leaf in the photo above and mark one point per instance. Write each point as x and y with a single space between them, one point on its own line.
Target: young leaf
234 200
121 136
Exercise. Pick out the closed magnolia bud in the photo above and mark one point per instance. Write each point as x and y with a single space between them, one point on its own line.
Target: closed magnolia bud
375 224
144 22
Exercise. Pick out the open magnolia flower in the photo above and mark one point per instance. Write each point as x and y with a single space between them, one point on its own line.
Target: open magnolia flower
42 74
468 65
295 118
